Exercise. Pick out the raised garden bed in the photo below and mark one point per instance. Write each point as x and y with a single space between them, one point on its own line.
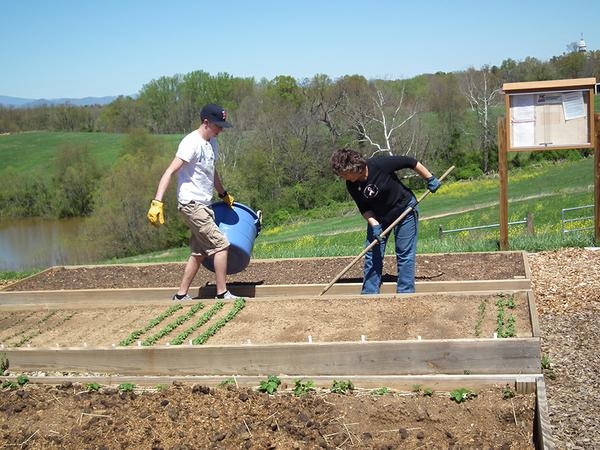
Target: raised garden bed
430 267
69 416
443 337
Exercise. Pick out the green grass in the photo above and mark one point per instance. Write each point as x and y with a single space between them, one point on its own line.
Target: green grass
35 152
542 190
14 276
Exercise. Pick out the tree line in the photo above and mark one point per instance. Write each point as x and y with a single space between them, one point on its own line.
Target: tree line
276 158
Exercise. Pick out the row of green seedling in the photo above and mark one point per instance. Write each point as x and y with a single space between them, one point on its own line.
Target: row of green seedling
180 338
505 326
201 321
238 305
173 325
153 323
25 339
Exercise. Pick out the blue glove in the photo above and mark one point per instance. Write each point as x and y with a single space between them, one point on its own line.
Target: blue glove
433 184
377 230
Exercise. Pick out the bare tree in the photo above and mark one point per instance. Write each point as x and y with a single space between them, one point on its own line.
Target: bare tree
481 89
377 119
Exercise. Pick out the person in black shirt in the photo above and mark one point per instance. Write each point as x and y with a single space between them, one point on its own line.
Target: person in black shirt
381 198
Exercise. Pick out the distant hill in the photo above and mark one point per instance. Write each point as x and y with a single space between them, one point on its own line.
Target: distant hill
18 102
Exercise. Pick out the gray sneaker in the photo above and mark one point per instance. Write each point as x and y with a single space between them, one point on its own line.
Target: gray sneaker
182 299
227 296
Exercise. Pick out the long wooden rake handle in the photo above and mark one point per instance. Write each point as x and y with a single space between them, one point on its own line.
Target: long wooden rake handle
384 233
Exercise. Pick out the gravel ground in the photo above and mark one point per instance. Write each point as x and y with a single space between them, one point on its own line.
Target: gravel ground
566 284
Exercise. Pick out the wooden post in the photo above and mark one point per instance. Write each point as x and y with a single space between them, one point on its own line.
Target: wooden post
441 232
503 172
529 224
597 180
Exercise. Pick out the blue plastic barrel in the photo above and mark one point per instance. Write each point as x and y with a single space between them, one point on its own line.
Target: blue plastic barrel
241 225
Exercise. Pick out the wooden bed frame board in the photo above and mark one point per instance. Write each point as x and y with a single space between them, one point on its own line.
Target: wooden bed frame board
417 357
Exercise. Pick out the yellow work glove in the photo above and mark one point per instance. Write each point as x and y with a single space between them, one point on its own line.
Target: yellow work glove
156 215
227 198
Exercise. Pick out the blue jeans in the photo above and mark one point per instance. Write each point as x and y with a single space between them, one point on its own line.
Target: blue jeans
406 248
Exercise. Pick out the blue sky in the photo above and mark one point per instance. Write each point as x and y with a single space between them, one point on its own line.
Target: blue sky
64 48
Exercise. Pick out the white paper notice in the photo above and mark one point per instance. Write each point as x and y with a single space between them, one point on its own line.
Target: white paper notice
573 105
522 108
523 134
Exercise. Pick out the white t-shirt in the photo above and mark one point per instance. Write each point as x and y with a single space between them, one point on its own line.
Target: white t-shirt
196 178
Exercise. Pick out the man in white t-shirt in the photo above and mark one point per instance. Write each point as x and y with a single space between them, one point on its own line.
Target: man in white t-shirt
194 163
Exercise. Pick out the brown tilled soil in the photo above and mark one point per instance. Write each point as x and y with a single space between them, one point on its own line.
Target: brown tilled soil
196 417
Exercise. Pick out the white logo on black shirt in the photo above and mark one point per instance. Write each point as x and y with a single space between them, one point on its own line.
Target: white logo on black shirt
370 191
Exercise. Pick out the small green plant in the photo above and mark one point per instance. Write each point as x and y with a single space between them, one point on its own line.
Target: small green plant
126 387
4 364
416 388
269 386
507 392
303 387
93 387
511 302
427 392
9 384
467 372
462 394
381 391
162 387
341 387
546 363
227 382
22 380
480 317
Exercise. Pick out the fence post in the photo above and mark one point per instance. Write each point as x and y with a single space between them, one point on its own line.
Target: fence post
530 230
441 232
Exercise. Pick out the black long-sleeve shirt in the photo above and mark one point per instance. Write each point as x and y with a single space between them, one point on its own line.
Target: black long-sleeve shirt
382 192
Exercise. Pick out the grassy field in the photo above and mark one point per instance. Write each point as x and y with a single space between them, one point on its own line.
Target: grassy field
35 151
339 230
542 190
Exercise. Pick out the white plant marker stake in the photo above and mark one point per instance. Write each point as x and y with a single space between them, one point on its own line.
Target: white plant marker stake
495 335
168 344
139 343
191 343
114 345
309 339
85 344
28 345
418 338
1 345
249 342
363 338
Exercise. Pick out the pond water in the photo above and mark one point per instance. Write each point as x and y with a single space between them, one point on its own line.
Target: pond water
35 243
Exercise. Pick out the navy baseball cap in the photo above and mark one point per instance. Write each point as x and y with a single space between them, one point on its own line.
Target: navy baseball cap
215 114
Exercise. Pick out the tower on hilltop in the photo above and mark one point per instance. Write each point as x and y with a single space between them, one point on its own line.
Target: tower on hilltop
581 47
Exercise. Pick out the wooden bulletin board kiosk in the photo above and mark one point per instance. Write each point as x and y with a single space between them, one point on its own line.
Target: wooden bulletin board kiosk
547 115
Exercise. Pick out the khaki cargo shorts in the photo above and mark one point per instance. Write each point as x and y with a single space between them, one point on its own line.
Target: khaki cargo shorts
207 239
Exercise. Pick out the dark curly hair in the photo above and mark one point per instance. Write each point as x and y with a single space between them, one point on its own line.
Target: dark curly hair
346 160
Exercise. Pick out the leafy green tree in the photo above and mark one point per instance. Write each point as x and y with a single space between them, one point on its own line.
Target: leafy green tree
77 174
119 116
118 225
